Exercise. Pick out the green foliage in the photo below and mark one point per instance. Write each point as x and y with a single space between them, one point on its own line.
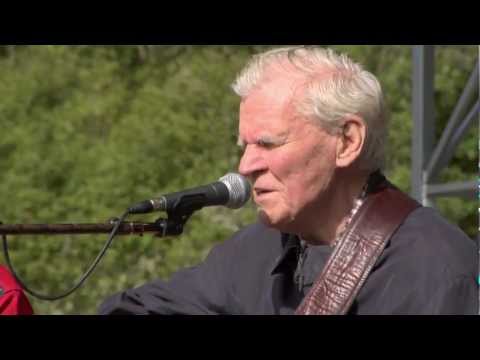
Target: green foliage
88 130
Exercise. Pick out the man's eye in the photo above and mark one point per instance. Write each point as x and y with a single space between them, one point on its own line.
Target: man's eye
266 144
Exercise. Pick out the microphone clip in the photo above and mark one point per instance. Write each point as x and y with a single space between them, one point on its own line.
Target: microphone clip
177 218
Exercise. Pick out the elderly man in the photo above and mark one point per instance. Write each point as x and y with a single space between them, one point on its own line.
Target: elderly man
334 236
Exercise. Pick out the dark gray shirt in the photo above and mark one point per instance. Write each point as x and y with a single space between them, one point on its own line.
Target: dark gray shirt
428 267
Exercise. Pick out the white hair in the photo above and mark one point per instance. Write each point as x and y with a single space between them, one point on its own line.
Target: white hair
346 89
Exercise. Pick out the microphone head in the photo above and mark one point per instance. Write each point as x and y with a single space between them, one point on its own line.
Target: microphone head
239 190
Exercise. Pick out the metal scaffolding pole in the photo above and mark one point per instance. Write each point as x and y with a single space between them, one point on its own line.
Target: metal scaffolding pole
427 159
423 118
441 157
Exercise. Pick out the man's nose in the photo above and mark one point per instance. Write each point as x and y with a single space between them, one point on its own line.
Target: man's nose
251 162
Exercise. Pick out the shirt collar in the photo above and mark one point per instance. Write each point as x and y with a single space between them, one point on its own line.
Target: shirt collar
291 246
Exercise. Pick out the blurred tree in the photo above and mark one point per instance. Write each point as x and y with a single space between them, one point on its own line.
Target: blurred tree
88 130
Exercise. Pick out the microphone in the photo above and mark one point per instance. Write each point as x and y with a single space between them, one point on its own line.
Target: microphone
232 190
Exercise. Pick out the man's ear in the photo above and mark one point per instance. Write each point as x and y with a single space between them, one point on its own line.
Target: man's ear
351 140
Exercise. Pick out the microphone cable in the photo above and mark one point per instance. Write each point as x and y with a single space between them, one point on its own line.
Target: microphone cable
83 277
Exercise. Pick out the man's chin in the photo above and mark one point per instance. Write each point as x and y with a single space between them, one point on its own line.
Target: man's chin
270 221
264 218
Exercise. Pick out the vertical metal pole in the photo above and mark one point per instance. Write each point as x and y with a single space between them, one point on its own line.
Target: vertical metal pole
423 118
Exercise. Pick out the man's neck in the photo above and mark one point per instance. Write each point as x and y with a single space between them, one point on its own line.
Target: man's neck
335 209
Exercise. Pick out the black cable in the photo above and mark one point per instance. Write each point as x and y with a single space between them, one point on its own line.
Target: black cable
84 276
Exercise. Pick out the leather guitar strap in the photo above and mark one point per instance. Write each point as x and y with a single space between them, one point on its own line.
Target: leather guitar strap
357 251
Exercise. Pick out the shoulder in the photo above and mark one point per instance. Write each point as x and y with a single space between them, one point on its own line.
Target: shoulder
250 249
256 239
257 231
13 301
7 281
429 266
428 242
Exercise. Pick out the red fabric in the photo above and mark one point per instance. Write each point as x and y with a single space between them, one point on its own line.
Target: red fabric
13 300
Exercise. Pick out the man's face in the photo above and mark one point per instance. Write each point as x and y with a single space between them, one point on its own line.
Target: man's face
289 160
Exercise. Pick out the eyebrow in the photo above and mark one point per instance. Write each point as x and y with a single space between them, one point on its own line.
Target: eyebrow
265 139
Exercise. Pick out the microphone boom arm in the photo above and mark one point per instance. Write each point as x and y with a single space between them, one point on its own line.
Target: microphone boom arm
161 228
